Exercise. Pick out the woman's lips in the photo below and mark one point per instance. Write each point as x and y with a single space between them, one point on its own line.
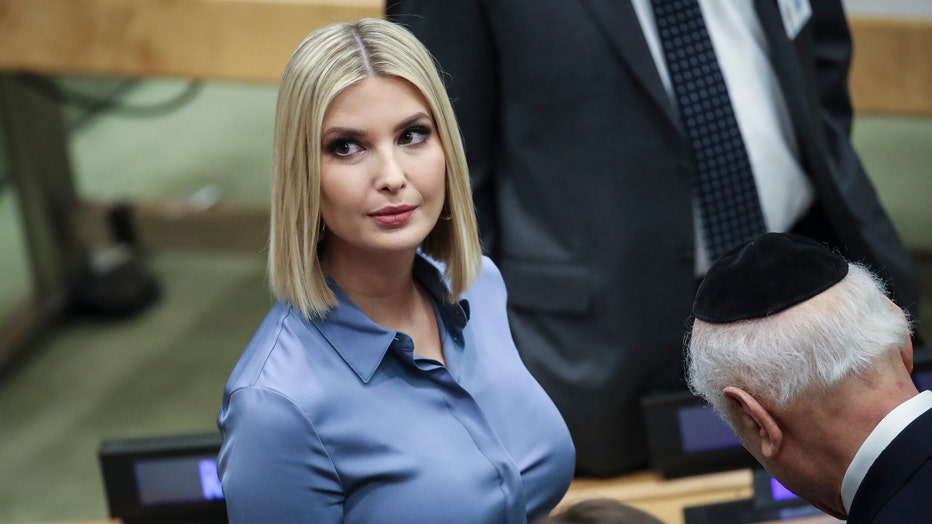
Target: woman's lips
393 215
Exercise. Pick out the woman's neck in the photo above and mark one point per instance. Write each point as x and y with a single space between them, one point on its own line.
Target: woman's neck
383 287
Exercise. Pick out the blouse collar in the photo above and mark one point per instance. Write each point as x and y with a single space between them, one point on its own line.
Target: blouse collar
362 343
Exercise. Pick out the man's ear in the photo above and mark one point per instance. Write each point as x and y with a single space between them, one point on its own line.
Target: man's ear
754 417
906 351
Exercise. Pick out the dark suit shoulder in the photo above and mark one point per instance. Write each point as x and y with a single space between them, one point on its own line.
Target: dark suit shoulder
896 488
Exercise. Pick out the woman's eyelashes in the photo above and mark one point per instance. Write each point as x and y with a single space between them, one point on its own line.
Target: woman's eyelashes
347 146
414 135
342 147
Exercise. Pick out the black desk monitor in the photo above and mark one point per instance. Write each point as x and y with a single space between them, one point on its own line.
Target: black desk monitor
686 437
163 479
770 502
773 501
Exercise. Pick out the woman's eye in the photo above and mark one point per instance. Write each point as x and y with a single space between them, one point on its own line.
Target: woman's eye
342 147
414 135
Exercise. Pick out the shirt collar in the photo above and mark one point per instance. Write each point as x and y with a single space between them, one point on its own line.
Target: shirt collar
429 273
362 343
890 426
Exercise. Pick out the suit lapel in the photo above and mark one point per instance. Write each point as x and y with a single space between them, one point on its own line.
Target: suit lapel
796 78
619 22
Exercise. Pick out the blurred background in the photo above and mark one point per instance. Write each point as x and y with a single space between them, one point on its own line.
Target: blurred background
206 144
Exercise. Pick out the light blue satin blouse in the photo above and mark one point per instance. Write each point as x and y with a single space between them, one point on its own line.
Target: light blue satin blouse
337 420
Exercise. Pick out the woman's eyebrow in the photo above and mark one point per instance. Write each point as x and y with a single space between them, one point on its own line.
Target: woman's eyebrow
347 132
351 132
413 119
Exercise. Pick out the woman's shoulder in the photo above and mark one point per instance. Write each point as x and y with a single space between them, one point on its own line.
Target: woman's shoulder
489 278
276 339
488 269
488 291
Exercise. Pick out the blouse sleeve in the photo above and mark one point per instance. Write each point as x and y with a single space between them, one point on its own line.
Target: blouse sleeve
272 465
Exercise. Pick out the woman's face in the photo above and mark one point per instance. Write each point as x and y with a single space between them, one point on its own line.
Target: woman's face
382 169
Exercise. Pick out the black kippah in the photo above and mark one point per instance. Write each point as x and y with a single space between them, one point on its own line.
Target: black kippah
773 272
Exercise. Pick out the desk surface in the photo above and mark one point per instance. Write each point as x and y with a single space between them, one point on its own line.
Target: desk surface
665 499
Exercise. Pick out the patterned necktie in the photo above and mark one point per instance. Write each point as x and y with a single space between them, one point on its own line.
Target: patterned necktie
728 200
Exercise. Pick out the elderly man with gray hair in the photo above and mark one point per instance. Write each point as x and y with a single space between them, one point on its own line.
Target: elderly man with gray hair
803 354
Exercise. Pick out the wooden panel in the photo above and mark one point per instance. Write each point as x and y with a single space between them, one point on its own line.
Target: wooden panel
245 40
891 71
250 40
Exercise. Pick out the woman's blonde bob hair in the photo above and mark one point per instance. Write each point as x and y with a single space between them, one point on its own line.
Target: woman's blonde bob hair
327 62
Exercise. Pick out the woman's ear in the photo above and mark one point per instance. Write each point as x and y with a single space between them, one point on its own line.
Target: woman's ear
753 423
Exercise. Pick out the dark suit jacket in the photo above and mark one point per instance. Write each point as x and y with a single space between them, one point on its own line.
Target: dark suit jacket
583 183
897 487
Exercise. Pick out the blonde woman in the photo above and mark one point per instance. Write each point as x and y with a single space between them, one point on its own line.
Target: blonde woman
384 385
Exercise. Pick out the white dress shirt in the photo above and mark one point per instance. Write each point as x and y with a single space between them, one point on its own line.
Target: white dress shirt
785 191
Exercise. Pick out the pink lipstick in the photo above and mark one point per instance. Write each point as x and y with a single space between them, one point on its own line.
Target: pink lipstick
393 215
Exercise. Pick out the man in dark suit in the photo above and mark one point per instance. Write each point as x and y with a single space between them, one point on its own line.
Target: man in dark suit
806 358
584 179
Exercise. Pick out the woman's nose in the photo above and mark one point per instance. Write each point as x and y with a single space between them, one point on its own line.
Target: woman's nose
391 175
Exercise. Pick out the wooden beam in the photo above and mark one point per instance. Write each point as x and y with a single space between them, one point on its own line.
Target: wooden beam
243 40
891 70
251 40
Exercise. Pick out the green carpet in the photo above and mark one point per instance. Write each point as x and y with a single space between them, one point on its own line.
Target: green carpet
159 373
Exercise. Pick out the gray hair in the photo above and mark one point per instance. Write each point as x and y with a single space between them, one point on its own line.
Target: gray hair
807 348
